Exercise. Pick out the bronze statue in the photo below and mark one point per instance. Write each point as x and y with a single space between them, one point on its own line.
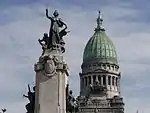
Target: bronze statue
56 23
54 39
45 40
62 33
96 88
71 102
45 44
31 97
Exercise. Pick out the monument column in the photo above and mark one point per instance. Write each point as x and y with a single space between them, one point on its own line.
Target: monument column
50 85
51 70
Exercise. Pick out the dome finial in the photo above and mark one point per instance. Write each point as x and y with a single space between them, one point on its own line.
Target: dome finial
99 21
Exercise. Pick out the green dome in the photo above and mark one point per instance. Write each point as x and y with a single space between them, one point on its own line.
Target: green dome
100 48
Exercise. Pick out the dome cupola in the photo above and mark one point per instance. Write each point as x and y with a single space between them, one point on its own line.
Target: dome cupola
100 48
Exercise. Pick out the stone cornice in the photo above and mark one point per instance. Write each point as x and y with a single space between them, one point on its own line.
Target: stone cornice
98 72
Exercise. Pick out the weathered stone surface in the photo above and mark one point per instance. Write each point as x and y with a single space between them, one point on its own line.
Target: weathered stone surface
51 80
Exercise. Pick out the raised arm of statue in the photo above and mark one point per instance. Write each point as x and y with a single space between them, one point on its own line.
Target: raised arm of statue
29 88
48 15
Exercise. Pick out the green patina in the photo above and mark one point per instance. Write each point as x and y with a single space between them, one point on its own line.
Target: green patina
99 47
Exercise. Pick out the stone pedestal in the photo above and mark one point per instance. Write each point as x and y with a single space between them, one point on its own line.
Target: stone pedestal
51 80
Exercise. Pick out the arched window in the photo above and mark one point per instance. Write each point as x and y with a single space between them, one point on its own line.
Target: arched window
94 79
104 66
85 81
104 80
82 81
99 79
112 67
113 81
109 80
116 81
89 77
108 66
116 68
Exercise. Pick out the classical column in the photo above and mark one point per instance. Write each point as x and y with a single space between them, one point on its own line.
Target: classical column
110 82
106 80
84 82
89 77
102 80
119 78
117 81
92 79
87 80
115 84
113 80
81 83
97 78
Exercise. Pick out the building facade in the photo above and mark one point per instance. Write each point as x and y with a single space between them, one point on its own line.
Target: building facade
100 76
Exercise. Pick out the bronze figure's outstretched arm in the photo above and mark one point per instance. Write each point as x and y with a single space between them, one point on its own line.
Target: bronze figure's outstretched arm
65 26
29 88
25 96
47 15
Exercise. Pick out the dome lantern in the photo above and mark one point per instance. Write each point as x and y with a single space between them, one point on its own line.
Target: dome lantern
100 48
99 22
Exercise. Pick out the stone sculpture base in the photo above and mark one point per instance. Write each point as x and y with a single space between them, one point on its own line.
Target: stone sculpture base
50 88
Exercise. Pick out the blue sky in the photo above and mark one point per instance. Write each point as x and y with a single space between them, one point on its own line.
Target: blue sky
22 22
